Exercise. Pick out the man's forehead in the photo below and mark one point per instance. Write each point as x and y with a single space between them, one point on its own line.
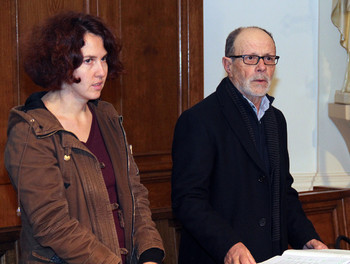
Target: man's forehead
254 39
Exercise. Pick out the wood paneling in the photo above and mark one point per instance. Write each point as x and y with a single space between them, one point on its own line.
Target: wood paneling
163 57
329 210
8 205
8 74
30 13
9 245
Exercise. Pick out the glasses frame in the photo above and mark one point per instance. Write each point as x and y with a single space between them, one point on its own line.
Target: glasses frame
259 57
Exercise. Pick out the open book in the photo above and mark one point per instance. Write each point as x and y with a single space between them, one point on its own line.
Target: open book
311 256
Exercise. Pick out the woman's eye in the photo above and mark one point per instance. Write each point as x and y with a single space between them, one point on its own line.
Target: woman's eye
88 60
104 58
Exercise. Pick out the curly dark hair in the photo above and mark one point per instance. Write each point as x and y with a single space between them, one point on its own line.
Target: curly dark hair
53 49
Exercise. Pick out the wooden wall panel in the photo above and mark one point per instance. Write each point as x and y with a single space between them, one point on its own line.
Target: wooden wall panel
9 98
150 86
31 13
109 11
8 206
329 211
159 191
192 53
150 37
8 73
163 58
326 221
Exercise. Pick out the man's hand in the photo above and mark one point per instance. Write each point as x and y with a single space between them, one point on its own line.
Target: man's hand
315 244
239 254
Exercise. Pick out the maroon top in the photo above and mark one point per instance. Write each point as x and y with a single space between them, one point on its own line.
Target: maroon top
97 146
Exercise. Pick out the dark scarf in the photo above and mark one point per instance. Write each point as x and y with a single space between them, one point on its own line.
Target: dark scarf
271 132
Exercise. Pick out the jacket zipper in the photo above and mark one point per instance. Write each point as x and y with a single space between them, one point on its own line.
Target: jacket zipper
132 194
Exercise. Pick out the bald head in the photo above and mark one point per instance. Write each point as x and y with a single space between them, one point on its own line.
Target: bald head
232 37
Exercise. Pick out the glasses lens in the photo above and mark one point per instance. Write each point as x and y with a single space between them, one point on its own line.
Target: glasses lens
270 60
250 59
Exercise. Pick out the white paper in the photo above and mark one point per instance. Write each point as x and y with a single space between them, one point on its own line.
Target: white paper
311 256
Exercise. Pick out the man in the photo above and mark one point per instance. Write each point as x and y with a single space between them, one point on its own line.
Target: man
231 186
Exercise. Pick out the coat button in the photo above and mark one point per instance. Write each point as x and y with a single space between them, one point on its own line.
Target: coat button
262 222
261 178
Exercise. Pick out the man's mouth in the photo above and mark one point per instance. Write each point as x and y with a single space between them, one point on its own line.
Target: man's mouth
261 79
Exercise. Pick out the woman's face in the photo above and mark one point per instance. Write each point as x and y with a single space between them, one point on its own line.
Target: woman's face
93 71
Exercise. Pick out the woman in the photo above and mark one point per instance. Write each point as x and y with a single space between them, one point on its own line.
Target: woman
79 190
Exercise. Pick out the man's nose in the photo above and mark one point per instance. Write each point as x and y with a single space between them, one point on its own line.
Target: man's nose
261 65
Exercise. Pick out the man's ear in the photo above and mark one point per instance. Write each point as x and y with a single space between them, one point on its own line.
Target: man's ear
227 62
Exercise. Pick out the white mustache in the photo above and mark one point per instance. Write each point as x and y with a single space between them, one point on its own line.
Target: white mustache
260 77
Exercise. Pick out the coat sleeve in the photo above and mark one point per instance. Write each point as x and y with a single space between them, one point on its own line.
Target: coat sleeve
33 168
299 227
193 155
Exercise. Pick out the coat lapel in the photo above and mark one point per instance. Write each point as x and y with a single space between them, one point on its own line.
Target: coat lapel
238 125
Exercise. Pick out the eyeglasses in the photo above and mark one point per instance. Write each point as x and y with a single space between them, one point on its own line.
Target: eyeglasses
254 59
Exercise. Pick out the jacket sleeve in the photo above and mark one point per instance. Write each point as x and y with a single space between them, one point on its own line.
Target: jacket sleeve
146 236
193 156
300 229
33 169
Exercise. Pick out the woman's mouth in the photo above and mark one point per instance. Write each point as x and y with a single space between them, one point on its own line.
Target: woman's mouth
98 85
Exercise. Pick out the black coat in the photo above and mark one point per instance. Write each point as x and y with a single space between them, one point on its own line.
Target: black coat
221 189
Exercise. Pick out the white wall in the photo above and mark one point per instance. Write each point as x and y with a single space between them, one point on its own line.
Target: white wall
333 156
311 68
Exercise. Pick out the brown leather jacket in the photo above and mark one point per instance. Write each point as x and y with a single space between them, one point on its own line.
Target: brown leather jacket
65 209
